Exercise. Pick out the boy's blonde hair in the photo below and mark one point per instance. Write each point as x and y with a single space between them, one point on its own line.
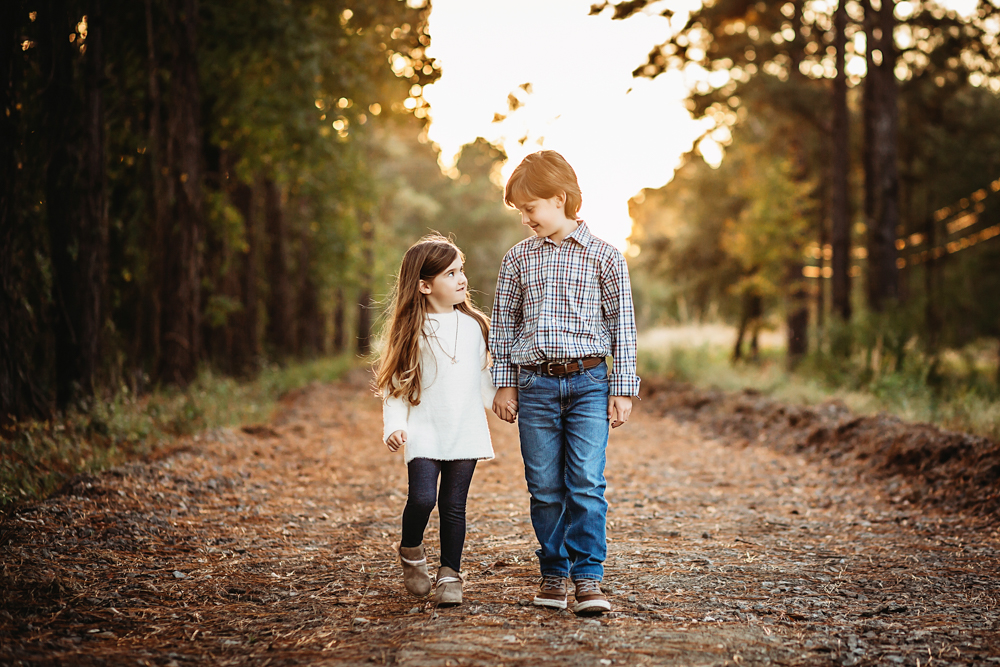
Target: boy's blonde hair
543 175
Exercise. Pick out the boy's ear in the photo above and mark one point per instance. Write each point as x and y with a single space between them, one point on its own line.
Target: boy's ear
560 199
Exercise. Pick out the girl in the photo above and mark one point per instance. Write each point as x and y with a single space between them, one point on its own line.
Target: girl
432 376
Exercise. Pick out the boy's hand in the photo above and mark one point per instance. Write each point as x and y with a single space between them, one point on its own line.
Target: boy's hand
505 404
619 410
396 440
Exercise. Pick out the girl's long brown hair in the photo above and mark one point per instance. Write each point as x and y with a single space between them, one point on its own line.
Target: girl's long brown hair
397 369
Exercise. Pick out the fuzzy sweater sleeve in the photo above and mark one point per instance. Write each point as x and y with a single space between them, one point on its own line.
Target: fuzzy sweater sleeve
488 389
395 412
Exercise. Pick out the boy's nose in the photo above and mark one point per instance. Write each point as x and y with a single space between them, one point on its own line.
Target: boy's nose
524 219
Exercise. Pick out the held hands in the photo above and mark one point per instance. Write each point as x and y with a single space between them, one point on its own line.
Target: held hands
505 404
396 440
619 410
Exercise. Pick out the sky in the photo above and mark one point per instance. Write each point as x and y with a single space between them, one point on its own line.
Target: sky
620 134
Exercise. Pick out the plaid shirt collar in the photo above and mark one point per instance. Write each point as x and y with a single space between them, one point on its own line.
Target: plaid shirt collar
581 235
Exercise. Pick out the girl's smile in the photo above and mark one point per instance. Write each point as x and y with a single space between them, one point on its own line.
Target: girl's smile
447 289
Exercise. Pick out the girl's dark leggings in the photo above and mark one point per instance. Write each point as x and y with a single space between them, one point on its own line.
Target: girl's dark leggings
422 475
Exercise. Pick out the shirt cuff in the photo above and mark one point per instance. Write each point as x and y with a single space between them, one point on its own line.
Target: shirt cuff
504 374
624 385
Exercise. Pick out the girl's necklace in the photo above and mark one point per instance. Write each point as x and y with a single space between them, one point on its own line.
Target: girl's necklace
454 357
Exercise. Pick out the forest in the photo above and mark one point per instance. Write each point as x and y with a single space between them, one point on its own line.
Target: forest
204 184
858 201
191 186
202 206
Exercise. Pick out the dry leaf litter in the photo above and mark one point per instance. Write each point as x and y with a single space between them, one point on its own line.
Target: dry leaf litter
741 532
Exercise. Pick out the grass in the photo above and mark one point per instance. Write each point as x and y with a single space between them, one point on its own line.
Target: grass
36 457
949 396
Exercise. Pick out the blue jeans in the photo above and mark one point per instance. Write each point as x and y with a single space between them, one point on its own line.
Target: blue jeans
563 423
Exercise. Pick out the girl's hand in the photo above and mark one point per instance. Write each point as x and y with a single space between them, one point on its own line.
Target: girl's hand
505 396
396 440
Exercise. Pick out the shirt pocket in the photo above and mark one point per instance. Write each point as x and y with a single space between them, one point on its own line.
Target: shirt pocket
583 295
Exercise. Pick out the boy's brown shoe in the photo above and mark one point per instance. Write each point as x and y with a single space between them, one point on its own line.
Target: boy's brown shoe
590 600
551 592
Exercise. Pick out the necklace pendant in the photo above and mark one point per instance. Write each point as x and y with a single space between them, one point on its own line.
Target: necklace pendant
454 361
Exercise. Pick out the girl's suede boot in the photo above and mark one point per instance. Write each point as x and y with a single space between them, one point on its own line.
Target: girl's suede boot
448 588
415 576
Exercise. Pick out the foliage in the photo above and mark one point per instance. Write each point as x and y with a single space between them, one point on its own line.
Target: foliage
468 207
211 185
36 457
718 234
964 398
763 73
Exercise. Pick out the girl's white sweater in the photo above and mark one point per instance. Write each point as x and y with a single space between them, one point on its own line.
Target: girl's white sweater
450 422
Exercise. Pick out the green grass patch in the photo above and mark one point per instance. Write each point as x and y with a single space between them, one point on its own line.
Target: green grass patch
940 394
36 457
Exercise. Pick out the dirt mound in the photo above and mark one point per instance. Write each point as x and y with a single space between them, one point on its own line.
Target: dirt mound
928 465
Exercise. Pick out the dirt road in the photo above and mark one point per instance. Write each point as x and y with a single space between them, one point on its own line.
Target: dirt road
275 546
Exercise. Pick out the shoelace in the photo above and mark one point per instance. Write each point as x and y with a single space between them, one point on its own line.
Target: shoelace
552 583
587 586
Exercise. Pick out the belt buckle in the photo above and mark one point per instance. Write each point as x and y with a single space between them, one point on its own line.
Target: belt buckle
562 366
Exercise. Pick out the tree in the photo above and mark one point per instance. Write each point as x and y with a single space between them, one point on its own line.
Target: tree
840 218
728 44
133 224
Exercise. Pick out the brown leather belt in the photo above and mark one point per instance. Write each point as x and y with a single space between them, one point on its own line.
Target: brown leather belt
550 368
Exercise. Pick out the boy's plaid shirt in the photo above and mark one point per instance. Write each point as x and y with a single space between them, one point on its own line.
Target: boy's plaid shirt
564 302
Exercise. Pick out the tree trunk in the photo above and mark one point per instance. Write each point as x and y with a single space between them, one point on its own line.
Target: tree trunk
932 315
20 375
824 241
840 218
93 250
244 325
309 341
367 279
797 296
881 87
280 296
339 326
797 319
62 208
740 333
181 290
752 307
869 111
151 327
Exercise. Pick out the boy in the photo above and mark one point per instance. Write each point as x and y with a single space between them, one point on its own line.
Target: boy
563 304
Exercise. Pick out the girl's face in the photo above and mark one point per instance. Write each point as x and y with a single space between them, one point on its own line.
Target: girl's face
447 289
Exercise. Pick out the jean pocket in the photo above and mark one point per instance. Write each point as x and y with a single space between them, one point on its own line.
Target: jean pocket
525 379
598 374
